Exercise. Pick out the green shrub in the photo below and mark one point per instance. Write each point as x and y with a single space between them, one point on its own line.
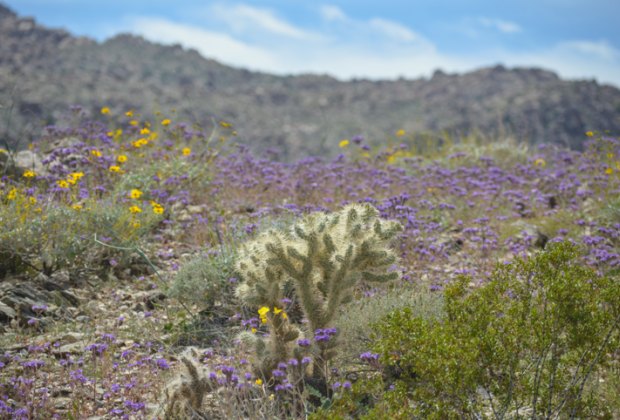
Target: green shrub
530 343
53 236
357 317
204 280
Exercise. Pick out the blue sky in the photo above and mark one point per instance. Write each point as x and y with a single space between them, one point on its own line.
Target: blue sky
579 39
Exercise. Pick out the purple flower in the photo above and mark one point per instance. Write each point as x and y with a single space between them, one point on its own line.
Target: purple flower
97 348
322 335
39 308
134 406
162 364
34 364
369 357
304 342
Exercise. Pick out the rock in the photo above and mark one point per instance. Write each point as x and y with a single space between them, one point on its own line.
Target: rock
195 209
28 160
184 216
62 403
6 313
72 348
71 337
82 318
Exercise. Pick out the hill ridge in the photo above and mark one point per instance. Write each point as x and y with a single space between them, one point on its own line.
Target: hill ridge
43 71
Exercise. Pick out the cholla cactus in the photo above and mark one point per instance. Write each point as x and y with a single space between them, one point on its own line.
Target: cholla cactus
323 257
185 394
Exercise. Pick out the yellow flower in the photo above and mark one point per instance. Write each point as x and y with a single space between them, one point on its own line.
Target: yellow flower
62 183
135 224
139 143
121 158
95 153
272 397
165 122
135 209
114 168
105 110
158 209
400 133
258 382
540 162
609 171
12 194
589 133
133 123
129 113
135 193
76 207
343 143
145 131
153 135
186 151
29 174
253 330
75 177
262 312
32 200
225 124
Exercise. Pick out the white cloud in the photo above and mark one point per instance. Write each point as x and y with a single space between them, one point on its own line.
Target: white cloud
501 25
601 49
332 13
246 18
393 30
367 55
211 44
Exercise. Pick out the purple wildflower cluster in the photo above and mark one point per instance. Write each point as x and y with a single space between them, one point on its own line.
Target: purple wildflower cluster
323 335
461 212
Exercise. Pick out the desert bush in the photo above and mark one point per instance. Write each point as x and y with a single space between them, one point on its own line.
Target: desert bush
205 286
47 237
356 319
531 342
205 280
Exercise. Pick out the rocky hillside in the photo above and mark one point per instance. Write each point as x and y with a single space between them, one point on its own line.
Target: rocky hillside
45 71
